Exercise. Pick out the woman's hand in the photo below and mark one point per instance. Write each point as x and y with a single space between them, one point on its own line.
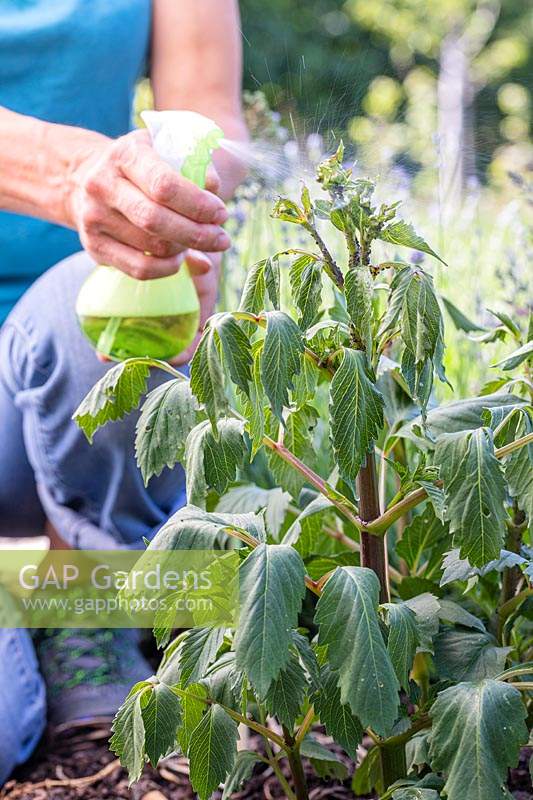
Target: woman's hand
135 212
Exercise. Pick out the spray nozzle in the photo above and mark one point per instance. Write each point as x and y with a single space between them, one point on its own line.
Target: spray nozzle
185 140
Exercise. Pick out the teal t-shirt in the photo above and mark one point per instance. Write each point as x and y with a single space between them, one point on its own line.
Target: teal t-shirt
74 62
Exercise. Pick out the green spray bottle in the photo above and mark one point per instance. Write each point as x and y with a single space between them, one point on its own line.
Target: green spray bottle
123 317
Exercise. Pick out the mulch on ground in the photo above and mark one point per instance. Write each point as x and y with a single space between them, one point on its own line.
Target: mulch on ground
81 766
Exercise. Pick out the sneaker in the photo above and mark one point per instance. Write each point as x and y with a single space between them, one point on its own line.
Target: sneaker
88 672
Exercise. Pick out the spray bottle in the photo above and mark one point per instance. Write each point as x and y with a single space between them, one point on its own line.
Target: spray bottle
123 317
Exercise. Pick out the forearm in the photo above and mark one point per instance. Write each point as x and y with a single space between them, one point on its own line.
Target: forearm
197 65
37 164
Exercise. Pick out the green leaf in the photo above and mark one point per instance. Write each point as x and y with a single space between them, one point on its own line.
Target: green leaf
212 751
305 383
281 359
197 651
207 376
427 609
161 718
325 763
476 736
518 468
272 280
462 415
114 396
193 528
516 358
168 416
402 233
347 616
213 462
367 775
403 640
275 503
475 490
254 404
193 708
359 289
286 693
461 322
425 539
468 655
306 287
457 615
337 718
127 741
356 410
236 349
241 772
253 293
316 507
271 592
414 311
413 793
298 438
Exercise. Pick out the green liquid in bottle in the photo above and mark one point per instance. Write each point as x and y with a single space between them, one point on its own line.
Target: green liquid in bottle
161 337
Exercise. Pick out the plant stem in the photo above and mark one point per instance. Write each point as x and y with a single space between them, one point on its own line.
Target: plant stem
373 549
295 762
511 575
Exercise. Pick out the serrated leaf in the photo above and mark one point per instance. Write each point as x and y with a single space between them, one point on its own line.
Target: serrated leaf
306 286
358 288
476 736
127 741
197 651
298 438
253 293
403 640
254 404
468 655
241 772
356 410
518 469
367 775
286 693
272 280
462 415
213 462
212 751
193 528
316 507
515 358
168 416
114 396
236 349
425 538
207 376
308 660
161 718
271 593
348 623
427 610
193 708
414 311
281 359
402 233
475 491
253 498
337 718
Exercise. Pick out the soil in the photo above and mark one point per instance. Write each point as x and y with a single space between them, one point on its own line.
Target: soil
81 766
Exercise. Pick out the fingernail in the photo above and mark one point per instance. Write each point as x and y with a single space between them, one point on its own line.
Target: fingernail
221 216
222 241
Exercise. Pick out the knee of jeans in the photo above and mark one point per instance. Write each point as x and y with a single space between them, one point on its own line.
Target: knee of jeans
22 700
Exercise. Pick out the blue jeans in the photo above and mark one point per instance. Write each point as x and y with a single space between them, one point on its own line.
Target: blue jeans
92 494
